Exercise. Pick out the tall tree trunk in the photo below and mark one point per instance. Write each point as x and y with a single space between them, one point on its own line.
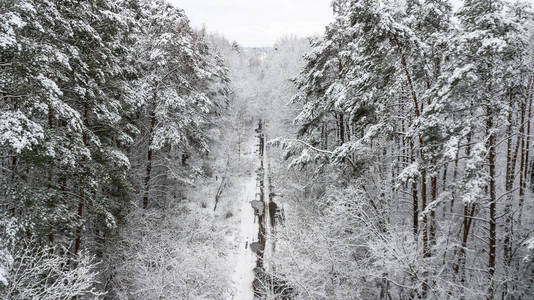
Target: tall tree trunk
78 233
50 178
522 158
469 210
150 150
417 112
415 200
424 225
492 203
530 96
433 195
454 177
408 76
509 182
340 116
423 173
404 147
522 166
81 203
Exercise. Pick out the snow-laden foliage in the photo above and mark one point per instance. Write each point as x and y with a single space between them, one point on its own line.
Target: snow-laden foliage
87 89
44 273
18 132
174 256
414 134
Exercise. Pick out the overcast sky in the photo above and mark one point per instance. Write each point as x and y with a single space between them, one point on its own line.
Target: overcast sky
258 23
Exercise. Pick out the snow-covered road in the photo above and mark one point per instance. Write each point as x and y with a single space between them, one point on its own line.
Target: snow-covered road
243 275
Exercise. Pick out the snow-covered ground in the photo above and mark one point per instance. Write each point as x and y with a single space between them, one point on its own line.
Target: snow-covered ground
245 259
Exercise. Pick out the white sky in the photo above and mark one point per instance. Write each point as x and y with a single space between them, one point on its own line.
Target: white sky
258 23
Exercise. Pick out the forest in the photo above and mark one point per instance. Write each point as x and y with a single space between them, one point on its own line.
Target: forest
387 158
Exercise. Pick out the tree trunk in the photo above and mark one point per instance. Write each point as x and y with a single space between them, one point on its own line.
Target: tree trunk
530 96
415 200
468 214
50 178
341 129
408 77
78 233
492 206
150 150
424 225
522 166
444 178
455 176
341 121
433 195
509 182
412 158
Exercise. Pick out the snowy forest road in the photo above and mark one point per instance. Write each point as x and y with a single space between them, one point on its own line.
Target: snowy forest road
245 258
252 258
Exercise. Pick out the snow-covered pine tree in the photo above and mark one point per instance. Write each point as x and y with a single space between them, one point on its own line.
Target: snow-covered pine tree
432 95
178 70
62 82
71 83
